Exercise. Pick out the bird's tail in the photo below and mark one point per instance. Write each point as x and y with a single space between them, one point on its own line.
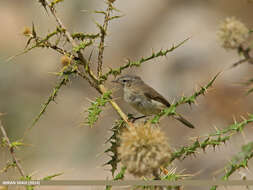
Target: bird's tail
183 120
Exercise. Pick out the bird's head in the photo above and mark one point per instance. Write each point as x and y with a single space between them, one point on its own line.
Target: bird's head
128 80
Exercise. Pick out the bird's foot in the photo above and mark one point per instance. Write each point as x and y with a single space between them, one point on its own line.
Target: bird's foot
132 119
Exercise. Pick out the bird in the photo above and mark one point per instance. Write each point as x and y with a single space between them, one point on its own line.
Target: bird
144 99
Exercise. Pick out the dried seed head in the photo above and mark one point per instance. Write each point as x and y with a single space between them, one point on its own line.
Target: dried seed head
143 150
65 60
27 32
232 33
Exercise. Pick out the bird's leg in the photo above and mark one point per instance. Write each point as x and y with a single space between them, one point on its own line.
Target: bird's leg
133 119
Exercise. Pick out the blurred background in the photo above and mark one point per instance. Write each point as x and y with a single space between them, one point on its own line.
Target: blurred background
60 143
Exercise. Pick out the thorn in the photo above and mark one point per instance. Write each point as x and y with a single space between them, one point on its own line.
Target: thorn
243 118
234 119
86 11
91 101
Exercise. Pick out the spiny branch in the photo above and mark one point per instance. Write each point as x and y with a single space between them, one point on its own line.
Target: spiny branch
118 126
214 139
189 100
103 31
51 98
12 151
138 63
239 161
42 43
119 176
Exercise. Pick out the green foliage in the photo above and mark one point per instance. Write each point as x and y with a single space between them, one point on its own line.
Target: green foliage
249 91
8 165
95 109
51 176
28 178
189 100
81 36
16 144
114 144
40 42
115 17
238 161
173 176
119 176
82 45
3 142
101 28
138 63
214 139
249 82
47 178
63 81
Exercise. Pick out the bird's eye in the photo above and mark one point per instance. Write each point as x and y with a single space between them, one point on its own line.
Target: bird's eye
124 80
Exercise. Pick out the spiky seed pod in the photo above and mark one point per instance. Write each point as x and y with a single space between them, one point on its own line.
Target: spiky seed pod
143 150
232 33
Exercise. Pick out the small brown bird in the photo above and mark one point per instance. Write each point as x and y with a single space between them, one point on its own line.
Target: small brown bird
144 98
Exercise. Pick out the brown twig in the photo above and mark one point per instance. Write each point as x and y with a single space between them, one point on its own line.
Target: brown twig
238 63
246 55
82 75
101 46
11 149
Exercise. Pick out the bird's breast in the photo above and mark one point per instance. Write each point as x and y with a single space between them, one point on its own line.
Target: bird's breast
141 103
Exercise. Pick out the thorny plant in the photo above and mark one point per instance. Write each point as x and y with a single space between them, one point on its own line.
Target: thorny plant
75 63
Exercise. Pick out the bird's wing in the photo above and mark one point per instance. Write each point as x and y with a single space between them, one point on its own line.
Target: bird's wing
152 94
